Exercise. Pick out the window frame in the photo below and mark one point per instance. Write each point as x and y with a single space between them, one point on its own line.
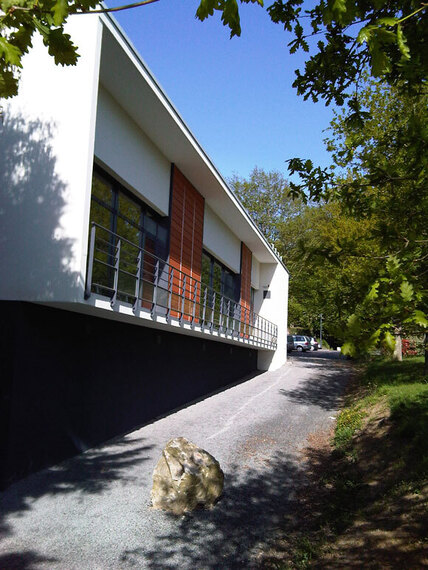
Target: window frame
224 270
117 188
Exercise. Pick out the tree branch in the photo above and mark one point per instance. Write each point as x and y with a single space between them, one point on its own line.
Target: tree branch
99 11
119 8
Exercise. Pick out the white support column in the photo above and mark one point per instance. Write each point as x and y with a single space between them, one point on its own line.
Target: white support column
273 280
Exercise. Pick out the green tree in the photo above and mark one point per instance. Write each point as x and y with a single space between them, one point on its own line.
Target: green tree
266 197
332 257
329 254
386 163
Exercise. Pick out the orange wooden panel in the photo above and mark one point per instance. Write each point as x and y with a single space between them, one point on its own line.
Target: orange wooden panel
186 232
246 261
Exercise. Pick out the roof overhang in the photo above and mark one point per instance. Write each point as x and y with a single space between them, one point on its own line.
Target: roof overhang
125 75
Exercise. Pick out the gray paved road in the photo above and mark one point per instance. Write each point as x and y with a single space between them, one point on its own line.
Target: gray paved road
93 512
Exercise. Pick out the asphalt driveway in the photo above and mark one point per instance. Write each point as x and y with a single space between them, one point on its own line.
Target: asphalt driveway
93 511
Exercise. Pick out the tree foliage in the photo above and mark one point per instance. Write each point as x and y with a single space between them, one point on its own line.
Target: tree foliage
345 37
332 257
379 144
21 19
266 197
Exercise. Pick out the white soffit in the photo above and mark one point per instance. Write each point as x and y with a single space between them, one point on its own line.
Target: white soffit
125 75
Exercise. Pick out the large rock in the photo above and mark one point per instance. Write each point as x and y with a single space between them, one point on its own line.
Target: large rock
185 478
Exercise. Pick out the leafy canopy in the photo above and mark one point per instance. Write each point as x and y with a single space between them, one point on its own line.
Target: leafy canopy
20 19
345 37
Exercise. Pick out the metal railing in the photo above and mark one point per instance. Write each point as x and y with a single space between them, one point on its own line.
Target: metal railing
123 271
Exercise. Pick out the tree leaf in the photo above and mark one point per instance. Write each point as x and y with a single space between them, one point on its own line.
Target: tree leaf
420 318
339 6
11 53
8 84
387 21
407 291
381 63
205 9
61 47
365 34
388 341
60 12
374 292
402 42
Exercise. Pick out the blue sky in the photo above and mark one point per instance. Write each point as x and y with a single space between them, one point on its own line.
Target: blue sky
234 94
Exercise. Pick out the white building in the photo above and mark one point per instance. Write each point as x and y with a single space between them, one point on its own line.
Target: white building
132 279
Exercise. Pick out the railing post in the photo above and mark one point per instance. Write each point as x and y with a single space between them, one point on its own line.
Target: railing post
137 283
212 313
155 291
245 321
204 308
257 329
88 288
220 317
171 281
195 294
116 275
183 292
228 315
233 319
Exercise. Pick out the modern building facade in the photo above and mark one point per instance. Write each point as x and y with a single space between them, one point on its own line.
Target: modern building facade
132 279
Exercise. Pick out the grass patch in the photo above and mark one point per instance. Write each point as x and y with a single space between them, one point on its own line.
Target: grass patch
406 391
369 486
348 422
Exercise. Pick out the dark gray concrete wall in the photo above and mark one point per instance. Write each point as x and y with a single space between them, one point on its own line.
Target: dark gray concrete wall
70 381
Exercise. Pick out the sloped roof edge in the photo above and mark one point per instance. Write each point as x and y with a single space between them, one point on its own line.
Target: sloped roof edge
199 167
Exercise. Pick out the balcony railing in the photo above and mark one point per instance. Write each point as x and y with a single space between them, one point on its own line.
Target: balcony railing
123 271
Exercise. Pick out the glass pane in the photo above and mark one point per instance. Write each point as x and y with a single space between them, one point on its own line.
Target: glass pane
150 225
102 274
129 209
102 271
206 270
229 285
216 285
102 190
128 231
162 235
100 214
217 271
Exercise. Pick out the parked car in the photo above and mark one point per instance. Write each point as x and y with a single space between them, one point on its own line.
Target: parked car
301 343
290 343
314 343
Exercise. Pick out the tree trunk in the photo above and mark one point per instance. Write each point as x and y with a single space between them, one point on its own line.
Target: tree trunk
398 351
426 354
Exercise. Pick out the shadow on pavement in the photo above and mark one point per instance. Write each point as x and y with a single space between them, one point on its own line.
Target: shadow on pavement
26 560
89 473
251 508
324 388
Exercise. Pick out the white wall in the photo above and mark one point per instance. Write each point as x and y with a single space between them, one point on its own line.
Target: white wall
221 241
45 171
273 278
129 153
255 273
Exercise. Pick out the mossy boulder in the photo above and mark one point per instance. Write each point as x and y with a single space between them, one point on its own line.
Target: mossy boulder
185 478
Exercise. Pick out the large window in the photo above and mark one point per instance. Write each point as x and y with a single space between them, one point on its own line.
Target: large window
122 215
219 278
221 287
